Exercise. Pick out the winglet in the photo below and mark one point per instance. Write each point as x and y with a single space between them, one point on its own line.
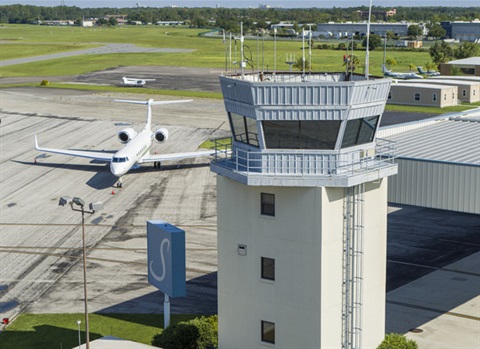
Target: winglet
36 142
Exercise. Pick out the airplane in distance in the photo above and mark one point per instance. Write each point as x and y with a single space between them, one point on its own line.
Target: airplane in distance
395 75
136 149
428 72
135 82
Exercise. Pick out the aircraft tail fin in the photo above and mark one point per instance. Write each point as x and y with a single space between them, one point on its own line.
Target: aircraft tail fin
149 103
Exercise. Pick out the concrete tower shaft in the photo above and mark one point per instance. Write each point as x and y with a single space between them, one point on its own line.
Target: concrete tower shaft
302 210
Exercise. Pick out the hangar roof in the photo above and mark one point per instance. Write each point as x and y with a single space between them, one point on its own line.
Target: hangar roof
456 140
470 60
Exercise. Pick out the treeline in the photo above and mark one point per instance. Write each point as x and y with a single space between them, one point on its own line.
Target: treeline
229 18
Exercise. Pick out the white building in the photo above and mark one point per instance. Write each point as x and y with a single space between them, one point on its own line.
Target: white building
302 210
438 163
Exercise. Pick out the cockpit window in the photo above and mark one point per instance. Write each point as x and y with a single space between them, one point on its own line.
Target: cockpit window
119 159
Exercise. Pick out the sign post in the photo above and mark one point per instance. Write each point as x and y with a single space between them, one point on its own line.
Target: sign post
166 262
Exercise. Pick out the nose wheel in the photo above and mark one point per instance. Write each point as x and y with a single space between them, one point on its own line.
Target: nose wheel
156 164
119 183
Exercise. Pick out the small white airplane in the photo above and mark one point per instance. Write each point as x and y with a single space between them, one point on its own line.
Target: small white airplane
394 75
135 82
137 146
428 72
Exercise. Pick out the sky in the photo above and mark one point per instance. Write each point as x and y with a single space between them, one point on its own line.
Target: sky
244 3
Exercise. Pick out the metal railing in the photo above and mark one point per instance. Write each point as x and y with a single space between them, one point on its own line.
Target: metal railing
305 163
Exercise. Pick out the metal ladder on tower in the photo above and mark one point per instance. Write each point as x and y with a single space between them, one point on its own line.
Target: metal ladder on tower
352 297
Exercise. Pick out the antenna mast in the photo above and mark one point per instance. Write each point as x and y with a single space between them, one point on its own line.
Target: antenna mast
303 51
242 62
310 48
274 51
367 54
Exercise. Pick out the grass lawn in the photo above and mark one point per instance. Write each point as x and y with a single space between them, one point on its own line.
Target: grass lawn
209 52
431 110
46 331
11 51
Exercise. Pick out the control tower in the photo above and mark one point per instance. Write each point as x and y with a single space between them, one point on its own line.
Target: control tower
302 210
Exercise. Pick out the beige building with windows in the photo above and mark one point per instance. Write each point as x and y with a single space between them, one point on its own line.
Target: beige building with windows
302 207
422 94
468 91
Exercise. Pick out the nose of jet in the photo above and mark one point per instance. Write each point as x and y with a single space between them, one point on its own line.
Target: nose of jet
116 170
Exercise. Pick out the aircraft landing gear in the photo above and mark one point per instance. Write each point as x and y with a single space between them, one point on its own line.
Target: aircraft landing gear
119 183
156 164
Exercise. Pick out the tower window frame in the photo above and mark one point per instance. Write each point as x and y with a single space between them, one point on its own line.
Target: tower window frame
268 331
267 204
267 268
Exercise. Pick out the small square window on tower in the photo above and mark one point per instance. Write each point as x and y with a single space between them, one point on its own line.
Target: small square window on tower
268 268
268 204
268 332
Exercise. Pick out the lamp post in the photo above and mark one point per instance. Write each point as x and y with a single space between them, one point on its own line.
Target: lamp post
68 200
79 341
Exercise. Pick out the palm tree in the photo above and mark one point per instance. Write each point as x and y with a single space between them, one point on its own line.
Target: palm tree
299 64
352 63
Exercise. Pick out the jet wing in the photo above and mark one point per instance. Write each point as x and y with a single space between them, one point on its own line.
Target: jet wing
176 156
97 155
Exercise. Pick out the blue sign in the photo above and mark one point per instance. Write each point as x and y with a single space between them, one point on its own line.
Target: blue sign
166 258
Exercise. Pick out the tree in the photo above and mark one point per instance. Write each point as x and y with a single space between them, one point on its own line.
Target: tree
412 66
391 35
436 31
199 333
430 66
390 62
374 41
101 22
441 52
414 30
351 63
397 341
299 64
467 49
112 21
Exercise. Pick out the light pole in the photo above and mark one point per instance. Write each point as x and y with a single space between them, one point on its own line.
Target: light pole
79 341
68 200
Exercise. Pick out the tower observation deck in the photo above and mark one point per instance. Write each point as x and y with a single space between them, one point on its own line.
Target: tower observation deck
305 129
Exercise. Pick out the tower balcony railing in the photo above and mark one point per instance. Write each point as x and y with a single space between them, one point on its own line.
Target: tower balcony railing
305 163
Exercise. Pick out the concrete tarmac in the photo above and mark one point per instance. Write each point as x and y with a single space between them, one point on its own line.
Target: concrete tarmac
432 277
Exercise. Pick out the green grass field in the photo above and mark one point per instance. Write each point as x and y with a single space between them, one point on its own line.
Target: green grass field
27 40
46 331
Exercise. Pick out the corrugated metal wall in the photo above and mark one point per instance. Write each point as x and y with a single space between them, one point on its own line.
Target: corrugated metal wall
445 186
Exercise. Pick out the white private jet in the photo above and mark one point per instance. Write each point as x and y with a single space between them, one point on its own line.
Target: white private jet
395 75
137 146
135 82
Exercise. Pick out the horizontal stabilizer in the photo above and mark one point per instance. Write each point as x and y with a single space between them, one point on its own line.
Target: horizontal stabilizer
152 102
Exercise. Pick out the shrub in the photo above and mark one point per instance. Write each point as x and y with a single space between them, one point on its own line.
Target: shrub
44 82
397 341
199 333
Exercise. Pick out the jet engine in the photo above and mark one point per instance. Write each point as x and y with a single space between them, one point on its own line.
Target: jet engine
161 135
126 135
